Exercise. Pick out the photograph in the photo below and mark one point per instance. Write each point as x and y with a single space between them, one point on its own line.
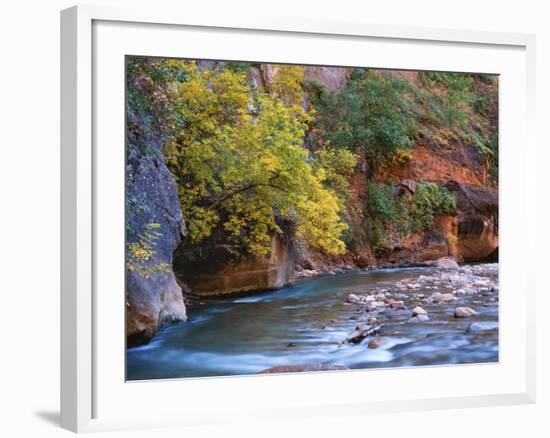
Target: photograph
285 218
306 219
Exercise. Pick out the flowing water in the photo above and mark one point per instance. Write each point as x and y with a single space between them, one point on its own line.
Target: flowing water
307 323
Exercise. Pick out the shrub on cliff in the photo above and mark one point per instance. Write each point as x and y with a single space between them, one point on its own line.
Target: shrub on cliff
386 212
430 200
461 107
375 111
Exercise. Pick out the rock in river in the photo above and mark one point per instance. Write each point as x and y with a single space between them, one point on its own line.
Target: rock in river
446 263
418 311
476 327
464 312
438 297
393 304
418 318
374 343
358 336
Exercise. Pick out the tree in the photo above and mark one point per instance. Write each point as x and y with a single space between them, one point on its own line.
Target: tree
241 167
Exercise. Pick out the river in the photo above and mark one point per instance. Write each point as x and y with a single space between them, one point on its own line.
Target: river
309 322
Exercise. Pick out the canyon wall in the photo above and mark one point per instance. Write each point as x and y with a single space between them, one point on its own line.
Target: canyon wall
154 228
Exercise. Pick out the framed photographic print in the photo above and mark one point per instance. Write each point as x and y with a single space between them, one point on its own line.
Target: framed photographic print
257 209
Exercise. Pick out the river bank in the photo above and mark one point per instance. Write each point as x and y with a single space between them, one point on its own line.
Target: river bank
368 319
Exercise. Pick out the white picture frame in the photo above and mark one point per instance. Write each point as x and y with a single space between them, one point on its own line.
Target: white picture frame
81 191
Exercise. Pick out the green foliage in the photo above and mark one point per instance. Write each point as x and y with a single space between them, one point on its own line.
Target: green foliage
335 166
458 85
429 200
136 205
148 97
383 209
141 253
243 172
375 111
386 212
481 103
493 162
382 205
451 101
451 97
239 67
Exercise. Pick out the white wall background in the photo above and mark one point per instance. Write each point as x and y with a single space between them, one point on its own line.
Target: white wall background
29 216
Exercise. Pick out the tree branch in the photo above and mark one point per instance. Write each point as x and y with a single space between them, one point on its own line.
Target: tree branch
228 195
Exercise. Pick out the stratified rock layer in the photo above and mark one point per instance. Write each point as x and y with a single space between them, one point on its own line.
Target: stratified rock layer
221 269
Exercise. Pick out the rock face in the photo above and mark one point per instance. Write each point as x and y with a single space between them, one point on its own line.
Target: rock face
469 235
333 79
152 298
426 247
221 269
440 165
477 221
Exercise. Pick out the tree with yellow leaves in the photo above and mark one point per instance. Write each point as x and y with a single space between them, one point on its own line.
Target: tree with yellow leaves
241 167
